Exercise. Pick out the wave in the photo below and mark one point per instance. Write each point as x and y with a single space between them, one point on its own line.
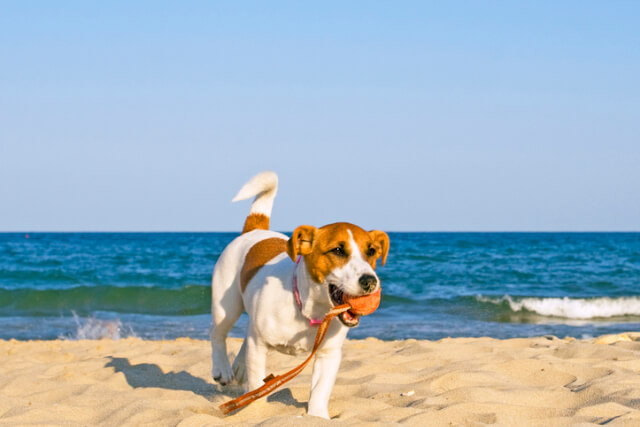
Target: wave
84 300
571 308
187 300
196 300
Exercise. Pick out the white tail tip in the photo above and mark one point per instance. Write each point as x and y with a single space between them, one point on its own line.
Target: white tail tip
264 182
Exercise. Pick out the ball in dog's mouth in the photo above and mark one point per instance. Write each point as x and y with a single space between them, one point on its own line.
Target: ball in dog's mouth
348 318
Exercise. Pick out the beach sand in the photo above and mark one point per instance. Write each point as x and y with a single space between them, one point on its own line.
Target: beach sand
460 381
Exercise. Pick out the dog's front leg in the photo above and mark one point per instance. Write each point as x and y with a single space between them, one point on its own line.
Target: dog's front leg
256 362
325 370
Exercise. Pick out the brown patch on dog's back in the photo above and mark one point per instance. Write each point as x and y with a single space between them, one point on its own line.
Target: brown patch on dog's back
255 221
259 254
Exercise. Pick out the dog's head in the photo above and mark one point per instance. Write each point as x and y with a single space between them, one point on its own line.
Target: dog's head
343 257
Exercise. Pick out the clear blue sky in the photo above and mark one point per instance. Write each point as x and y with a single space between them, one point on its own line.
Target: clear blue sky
395 115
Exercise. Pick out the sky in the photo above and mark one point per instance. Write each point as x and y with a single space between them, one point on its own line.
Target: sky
401 116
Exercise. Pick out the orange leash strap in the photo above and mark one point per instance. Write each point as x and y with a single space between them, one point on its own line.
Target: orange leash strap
272 382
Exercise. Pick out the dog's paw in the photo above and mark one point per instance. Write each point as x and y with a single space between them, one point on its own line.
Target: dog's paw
222 376
239 371
315 412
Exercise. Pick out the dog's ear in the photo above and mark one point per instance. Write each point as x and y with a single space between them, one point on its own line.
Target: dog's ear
381 238
301 241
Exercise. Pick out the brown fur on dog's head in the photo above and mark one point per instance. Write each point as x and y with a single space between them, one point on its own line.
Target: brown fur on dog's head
328 247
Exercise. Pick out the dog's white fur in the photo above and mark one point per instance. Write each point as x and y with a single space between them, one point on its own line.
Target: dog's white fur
276 322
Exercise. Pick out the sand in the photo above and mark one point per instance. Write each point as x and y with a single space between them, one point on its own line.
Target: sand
542 381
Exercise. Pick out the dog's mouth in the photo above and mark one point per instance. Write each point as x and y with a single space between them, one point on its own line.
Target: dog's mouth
348 318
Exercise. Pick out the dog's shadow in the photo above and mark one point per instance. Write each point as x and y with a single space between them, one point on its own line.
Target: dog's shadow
285 396
148 375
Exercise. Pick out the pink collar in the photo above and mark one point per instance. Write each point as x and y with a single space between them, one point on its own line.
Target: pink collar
296 294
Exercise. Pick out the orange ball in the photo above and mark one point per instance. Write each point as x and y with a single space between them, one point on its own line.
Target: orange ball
365 304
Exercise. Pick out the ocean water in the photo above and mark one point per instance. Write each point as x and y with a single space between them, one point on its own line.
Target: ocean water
435 285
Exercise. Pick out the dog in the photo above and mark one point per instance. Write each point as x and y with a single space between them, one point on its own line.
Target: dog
287 285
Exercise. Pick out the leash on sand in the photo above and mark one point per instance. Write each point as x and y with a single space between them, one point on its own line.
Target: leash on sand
272 382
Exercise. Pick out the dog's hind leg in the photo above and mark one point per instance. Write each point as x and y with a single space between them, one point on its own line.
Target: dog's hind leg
239 366
226 308
223 320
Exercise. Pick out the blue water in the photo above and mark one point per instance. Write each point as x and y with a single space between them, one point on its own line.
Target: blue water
157 285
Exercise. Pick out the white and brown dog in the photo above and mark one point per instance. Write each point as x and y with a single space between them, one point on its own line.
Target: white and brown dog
287 285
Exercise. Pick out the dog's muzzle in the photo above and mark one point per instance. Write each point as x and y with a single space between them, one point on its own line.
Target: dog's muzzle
348 318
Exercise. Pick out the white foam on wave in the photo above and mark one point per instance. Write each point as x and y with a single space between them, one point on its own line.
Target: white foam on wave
572 308
96 329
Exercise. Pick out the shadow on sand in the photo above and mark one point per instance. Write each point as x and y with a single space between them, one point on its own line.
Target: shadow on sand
149 375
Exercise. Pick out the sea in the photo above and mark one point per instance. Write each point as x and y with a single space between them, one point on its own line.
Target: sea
435 285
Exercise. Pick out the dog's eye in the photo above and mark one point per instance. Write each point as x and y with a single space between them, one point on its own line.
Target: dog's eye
338 251
371 252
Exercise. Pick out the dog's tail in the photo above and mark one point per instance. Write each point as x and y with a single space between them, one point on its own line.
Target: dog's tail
264 186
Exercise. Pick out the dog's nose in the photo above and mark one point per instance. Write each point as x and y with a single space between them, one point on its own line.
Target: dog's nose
368 282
